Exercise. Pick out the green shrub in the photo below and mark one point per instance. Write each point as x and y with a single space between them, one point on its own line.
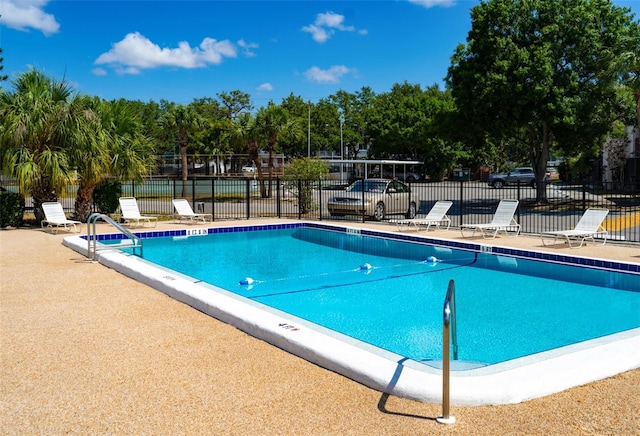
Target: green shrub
106 196
11 209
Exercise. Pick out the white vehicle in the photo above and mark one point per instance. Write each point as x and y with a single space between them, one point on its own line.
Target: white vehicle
375 198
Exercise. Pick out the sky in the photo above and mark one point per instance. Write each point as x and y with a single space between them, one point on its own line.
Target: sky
183 50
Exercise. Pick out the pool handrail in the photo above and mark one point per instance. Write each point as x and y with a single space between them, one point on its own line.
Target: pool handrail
448 335
93 236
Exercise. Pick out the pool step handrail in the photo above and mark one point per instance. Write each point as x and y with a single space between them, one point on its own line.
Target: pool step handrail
448 335
92 236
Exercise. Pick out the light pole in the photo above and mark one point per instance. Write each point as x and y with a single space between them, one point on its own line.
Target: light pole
309 132
341 140
341 147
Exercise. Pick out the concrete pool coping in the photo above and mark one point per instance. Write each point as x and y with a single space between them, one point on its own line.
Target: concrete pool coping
510 382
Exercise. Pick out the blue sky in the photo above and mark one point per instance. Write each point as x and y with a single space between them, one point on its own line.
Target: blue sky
181 50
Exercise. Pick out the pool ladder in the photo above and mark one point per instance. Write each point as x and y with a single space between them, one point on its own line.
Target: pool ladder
92 236
449 336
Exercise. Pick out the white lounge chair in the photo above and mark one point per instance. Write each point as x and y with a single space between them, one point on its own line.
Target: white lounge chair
436 217
503 221
131 213
589 227
55 217
185 212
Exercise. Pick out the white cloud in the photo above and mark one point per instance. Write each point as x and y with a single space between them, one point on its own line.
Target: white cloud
135 52
330 76
433 3
247 48
326 25
265 87
25 14
99 71
330 19
318 33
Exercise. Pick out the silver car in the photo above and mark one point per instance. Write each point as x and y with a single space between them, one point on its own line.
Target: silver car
375 198
522 175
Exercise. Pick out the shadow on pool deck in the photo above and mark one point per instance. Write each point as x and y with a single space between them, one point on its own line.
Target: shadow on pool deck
88 350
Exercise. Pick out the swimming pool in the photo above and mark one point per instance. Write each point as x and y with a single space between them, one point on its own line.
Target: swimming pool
406 362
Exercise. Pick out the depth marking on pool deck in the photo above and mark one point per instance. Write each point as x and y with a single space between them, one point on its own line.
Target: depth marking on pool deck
486 249
289 327
197 232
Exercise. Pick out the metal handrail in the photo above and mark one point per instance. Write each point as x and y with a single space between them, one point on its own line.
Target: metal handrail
93 236
448 335
450 316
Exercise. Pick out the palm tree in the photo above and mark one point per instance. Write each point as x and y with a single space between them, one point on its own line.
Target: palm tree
131 149
243 131
181 121
272 123
38 124
90 156
116 148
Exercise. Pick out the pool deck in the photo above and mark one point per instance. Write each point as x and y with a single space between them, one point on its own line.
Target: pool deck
88 350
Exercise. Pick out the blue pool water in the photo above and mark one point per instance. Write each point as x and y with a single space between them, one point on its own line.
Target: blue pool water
506 307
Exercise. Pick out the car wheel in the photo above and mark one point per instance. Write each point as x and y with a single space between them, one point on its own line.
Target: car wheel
378 213
498 184
411 213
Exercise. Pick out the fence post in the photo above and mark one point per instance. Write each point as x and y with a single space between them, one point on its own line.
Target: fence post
363 212
461 202
193 191
320 203
278 198
518 198
300 205
213 199
248 197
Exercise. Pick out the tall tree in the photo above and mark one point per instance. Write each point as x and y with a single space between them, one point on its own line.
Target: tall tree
182 122
90 157
629 65
235 102
244 133
537 70
274 123
116 147
37 130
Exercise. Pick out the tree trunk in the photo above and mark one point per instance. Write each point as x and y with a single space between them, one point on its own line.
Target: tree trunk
638 109
539 159
185 169
84 201
270 170
42 194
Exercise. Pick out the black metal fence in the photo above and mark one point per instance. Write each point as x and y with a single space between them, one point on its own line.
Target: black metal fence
473 202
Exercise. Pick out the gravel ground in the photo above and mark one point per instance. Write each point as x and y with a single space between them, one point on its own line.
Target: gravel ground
86 350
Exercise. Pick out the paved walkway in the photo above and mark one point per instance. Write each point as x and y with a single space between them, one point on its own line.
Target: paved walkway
85 350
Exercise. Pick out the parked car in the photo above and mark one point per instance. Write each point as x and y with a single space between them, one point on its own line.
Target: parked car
249 169
522 175
374 198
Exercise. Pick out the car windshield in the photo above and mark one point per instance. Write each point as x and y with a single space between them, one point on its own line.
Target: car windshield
367 186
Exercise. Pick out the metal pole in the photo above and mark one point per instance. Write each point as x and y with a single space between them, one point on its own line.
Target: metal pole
446 418
309 132
341 146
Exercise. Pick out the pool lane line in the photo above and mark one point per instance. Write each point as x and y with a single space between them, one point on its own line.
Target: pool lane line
361 282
